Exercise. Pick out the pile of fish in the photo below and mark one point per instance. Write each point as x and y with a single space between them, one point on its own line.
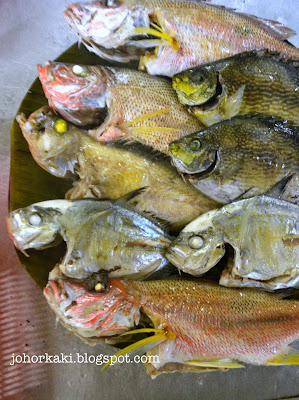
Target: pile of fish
168 179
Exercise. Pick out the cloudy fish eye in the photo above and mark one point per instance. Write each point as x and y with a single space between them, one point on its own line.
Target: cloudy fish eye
196 242
110 3
35 219
195 145
79 70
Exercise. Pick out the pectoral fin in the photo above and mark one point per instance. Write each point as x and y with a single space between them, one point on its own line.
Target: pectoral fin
233 104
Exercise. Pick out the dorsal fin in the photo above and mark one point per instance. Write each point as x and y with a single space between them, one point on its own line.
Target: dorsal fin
274 28
141 149
123 200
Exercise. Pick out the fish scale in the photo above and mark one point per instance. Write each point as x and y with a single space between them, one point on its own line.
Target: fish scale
139 107
189 33
207 322
112 170
251 155
270 87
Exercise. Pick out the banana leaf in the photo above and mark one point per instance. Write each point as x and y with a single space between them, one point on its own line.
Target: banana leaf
29 183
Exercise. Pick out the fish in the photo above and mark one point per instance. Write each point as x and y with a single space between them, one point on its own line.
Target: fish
170 36
100 235
110 170
248 83
197 325
264 234
240 157
123 103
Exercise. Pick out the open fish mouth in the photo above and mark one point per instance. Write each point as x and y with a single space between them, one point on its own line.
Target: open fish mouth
123 54
213 102
190 176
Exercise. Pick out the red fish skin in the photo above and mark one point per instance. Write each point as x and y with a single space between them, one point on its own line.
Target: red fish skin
210 322
123 102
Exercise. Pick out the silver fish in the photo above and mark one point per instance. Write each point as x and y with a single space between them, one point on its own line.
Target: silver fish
100 236
264 233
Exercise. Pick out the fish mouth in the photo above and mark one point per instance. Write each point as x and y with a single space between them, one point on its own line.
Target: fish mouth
188 176
213 101
122 54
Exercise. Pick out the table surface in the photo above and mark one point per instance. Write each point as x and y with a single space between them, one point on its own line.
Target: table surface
32 32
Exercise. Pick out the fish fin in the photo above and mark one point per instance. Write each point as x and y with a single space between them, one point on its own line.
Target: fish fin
144 117
148 43
158 32
291 357
128 196
140 148
232 107
224 363
242 195
150 128
277 190
273 27
142 345
281 31
206 118
143 330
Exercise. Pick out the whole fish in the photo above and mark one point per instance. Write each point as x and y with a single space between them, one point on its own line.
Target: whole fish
198 325
247 83
243 156
126 103
112 170
101 235
177 34
264 234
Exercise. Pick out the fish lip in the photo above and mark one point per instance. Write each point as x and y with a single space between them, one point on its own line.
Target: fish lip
213 102
187 176
175 257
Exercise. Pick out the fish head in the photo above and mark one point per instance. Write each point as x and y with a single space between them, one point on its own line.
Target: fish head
35 226
196 86
90 313
77 92
194 154
198 247
106 26
52 141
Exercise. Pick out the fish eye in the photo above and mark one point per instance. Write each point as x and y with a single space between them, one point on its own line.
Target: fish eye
60 126
110 3
79 70
195 145
196 242
35 219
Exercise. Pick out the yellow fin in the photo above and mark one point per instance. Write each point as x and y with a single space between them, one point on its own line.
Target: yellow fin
142 345
150 128
225 363
144 117
158 32
143 330
289 358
